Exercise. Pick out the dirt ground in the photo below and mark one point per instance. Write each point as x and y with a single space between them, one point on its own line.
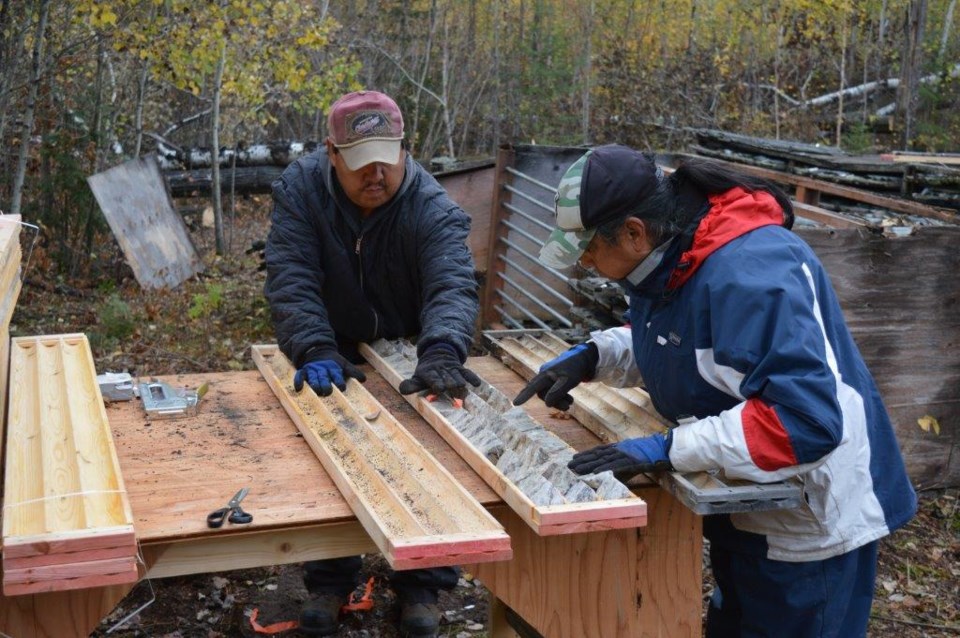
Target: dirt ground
208 324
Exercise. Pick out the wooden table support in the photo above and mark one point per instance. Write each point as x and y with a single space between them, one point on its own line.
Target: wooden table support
634 582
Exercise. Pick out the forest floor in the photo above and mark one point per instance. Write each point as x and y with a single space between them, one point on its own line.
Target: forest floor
208 324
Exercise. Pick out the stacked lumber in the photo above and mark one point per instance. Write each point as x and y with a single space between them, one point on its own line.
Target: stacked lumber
912 178
67 522
517 457
416 513
10 256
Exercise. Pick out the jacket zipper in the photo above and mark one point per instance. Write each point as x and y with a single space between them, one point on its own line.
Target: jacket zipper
376 317
359 258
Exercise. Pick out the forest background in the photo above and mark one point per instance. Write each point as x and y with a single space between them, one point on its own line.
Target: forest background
88 84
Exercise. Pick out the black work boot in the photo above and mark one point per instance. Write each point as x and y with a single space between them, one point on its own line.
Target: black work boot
320 615
419 619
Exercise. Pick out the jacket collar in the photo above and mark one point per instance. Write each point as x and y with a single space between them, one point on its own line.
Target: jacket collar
726 216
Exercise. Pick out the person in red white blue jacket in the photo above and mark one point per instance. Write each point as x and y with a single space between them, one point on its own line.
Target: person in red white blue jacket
736 333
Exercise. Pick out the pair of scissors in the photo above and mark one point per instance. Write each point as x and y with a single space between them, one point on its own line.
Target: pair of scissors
232 512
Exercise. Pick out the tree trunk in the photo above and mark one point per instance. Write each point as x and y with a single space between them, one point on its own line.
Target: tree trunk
215 142
912 62
27 130
945 34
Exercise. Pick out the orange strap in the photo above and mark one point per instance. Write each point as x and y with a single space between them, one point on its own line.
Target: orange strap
457 403
365 603
275 628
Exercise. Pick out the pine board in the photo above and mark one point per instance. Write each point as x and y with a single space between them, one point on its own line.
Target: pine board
413 509
64 493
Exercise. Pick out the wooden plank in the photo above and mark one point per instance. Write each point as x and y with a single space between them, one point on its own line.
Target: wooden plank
129 574
924 158
614 584
175 470
899 297
61 543
545 520
497 231
151 234
848 192
472 191
413 509
826 217
64 491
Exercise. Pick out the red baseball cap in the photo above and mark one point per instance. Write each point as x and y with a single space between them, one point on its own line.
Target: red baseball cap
366 127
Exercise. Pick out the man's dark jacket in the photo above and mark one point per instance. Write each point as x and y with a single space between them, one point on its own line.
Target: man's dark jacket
335 279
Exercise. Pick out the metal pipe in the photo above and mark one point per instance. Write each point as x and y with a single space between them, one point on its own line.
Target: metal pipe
529 314
516 211
533 200
507 318
534 279
529 295
530 179
552 271
521 231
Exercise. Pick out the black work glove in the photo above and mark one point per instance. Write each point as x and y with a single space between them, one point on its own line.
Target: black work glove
626 458
440 371
327 368
558 376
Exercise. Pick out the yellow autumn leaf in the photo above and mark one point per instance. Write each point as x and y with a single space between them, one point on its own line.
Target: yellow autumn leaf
927 422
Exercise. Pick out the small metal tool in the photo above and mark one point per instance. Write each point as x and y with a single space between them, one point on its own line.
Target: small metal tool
162 401
116 386
232 512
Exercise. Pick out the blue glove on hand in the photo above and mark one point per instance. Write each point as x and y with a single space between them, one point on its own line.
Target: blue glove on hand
327 369
440 371
558 376
626 458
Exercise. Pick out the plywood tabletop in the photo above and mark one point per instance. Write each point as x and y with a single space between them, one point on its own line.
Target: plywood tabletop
178 470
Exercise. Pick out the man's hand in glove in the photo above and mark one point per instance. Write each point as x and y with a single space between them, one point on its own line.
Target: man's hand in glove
327 368
558 376
626 458
440 371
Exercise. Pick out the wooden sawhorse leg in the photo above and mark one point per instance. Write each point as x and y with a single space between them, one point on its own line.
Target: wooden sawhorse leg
620 583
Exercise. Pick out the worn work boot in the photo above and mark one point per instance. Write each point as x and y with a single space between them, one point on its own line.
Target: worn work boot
419 620
320 615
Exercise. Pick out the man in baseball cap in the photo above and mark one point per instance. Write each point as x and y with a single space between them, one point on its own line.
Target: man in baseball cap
604 185
366 127
364 244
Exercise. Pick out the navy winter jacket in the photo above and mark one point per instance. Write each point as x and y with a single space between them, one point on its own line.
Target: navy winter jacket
335 279
740 340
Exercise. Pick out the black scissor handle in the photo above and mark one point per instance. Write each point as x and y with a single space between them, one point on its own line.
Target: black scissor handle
216 517
239 517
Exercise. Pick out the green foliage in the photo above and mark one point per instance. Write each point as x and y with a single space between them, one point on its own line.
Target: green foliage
857 138
206 302
116 319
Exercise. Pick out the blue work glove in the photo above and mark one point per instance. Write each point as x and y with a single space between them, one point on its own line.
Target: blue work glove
327 368
558 376
440 371
626 458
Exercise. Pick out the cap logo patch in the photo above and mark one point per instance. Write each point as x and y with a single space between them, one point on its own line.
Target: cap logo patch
367 124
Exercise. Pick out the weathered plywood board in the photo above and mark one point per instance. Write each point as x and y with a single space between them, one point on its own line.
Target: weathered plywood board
900 298
413 509
64 494
472 190
151 234
623 511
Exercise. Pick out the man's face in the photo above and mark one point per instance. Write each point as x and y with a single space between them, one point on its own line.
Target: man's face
370 186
